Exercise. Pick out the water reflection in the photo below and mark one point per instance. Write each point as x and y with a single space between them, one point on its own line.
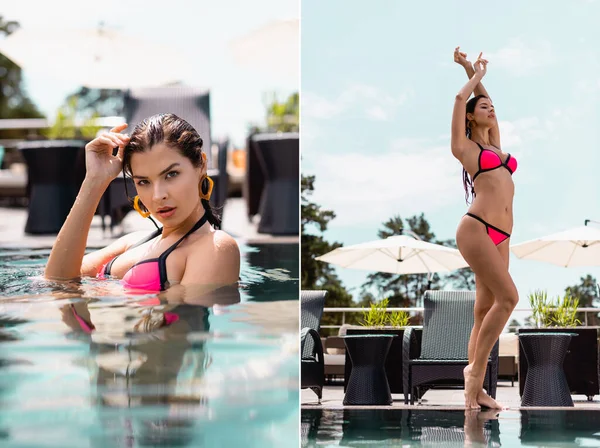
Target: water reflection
146 363
408 427
87 363
273 271
140 357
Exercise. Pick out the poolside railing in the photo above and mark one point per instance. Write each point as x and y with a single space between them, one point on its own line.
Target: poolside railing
419 310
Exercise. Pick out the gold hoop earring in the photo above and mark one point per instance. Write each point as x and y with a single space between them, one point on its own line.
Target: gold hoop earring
137 208
211 184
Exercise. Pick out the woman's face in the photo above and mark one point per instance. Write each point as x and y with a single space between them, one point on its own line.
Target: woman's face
484 114
167 183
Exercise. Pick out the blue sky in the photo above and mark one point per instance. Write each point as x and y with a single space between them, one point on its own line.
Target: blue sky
378 84
201 30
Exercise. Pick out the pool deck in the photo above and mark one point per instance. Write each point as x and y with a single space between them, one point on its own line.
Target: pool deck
235 222
440 399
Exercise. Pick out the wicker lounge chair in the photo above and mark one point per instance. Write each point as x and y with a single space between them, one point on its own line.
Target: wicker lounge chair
312 362
440 359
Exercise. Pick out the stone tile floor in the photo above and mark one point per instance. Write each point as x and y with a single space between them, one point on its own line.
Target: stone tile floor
449 399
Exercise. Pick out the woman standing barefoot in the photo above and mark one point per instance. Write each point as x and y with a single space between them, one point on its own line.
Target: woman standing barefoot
483 233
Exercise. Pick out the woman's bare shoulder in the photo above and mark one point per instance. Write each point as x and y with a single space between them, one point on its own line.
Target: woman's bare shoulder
224 243
218 241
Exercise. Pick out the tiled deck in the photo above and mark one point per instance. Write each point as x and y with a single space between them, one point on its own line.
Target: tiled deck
451 399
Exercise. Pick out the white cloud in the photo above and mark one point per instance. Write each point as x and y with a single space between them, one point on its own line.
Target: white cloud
416 175
364 188
518 132
520 58
376 104
377 113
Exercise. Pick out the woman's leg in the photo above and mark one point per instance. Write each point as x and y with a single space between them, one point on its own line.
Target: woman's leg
484 299
490 267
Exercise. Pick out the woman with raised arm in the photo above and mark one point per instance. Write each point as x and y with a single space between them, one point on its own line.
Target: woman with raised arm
483 233
164 157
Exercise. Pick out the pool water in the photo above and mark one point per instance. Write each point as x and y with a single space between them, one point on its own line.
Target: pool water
87 364
407 428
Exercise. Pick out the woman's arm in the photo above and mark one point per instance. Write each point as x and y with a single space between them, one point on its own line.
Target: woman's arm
67 253
459 140
102 167
461 59
479 89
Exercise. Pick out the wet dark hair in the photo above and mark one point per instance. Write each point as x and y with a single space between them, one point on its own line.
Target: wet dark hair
176 133
467 181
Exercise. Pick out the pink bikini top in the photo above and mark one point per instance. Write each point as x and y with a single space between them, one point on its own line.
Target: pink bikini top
151 274
490 160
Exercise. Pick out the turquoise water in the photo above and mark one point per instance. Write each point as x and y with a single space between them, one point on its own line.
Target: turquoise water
225 373
407 428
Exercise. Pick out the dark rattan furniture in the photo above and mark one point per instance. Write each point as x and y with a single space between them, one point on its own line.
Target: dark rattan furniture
279 158
312 373
368 384
581 365
546 384
393 363
440 360
54 177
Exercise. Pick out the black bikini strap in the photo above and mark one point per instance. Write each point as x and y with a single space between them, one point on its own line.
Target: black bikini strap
162 265
480 147
199 224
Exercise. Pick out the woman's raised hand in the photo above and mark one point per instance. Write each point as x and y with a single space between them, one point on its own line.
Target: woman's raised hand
480 65
99 160
460 58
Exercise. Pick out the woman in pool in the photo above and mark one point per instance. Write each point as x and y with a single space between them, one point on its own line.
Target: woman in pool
483 233
164 157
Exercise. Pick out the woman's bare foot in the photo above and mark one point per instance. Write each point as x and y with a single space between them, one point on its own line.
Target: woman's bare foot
485 400
472 389
474 428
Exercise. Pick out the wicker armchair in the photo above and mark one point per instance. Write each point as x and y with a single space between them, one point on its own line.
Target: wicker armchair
443 353
312 362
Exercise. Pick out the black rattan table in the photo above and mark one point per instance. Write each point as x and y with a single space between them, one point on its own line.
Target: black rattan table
546 384
368 383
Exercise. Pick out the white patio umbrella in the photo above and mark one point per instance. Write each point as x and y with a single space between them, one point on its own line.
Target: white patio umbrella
273 49
95 58
399 254
579 246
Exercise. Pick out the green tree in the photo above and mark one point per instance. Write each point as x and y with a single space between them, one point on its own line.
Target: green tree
407 290
403 290
461 278
587 292
281 116
316 274
104 102
284 116
85 105
14 101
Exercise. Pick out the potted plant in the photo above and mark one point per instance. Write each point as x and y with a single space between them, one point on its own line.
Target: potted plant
581 361
378 320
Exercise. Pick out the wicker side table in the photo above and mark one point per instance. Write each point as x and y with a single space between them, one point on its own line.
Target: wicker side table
368 383
546 384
